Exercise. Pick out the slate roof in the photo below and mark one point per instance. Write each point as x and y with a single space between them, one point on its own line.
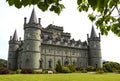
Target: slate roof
15 37
93 33
33 18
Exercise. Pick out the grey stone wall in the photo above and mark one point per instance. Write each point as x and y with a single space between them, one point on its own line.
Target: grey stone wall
12 55
54 54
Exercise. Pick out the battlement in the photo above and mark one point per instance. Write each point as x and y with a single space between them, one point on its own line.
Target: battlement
66 34
55 27
63 42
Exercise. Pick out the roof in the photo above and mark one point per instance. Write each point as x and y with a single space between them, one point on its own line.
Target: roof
33 18
15 37
93 33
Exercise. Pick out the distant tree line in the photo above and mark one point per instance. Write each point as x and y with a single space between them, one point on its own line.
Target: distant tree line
3 63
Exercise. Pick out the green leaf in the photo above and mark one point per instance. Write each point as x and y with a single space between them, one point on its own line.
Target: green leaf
35 1
93 3
10 2
108 28
51 1
26 2
105 3
100 6
61 6
56 9
18 4
79 2
43 6
112 18
91 17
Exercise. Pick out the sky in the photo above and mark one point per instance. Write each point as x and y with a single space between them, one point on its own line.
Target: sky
73 21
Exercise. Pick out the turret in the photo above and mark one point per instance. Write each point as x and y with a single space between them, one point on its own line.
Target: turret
94 49
32 43
13 52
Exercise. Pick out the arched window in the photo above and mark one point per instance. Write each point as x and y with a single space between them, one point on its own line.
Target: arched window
74 63
96 65
66 62
50 63
41 63
59 62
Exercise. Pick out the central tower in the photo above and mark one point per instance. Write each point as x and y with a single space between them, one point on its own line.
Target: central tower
32 43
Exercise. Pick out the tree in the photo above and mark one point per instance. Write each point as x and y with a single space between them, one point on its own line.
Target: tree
111 66
102 11
58 67
3 63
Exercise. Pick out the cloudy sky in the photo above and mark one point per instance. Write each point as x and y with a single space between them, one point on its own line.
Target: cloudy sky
73 22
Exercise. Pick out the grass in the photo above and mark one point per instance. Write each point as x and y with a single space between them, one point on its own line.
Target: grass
61 77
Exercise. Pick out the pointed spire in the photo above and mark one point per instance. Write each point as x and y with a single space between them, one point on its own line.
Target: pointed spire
15 37
33 18
93 33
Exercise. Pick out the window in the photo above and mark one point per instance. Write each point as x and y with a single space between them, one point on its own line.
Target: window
96 65
66 63
74 63
41 64
50 63
58 62
65 52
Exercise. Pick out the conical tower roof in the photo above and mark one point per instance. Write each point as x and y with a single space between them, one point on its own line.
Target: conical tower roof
93 33
33 18
15 37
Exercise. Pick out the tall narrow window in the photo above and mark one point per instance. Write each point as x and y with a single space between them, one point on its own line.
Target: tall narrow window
96 65
41 64
50 63
74 63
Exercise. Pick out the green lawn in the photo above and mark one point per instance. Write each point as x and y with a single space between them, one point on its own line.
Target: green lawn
61 77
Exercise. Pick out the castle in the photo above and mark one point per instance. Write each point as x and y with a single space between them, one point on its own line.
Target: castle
43 48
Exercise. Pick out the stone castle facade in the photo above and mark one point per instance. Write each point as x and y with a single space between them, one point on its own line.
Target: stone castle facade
43 48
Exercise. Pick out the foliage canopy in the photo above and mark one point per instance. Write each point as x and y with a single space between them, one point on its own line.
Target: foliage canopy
3 63
102 11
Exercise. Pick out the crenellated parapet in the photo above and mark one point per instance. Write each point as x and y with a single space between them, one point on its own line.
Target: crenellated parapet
63 42
51 26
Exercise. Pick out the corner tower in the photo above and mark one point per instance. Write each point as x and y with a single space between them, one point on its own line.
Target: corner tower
32 45
13 52
94 49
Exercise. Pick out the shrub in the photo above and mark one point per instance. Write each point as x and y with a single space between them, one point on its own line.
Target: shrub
26 71
65 69
111 66
71 67
90 68
18 71
78 68
58 67
4 71
83 71
99 71
45 71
